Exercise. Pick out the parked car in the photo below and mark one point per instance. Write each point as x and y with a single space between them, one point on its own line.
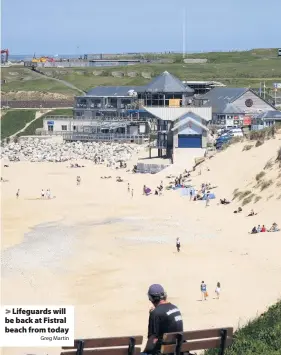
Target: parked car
236 132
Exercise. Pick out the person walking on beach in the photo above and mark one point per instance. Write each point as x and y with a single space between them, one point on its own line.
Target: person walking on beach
18 193
48 193
178 244
128 188
78 180
207 199
218 290
132 193
204 292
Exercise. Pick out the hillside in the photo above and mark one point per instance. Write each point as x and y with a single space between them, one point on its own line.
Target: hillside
248 173
240 69
260 336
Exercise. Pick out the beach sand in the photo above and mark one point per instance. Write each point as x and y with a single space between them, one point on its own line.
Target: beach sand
96 247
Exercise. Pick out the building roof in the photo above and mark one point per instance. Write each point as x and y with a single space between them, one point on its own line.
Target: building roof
167 82
189 117
220 97
230 109
112 90
270 115
174 113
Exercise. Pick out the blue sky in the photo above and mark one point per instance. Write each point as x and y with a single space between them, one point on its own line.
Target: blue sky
111 26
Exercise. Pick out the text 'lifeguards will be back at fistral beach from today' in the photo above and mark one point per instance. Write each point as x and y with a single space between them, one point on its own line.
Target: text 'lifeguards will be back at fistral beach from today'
34 326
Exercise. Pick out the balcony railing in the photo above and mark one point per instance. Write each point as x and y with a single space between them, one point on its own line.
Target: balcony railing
102 137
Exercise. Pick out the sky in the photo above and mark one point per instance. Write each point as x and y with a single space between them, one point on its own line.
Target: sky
119 26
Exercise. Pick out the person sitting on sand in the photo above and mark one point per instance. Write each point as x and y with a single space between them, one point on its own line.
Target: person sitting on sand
259 228
42 193
252 213
78 180
18 193
274 228
263 229
156 192
238 210
224 201
254 231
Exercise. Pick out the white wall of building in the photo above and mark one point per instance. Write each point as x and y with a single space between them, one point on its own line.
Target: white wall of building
258 104
59 125
173 113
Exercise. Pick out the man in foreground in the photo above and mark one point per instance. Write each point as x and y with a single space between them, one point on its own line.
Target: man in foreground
164 318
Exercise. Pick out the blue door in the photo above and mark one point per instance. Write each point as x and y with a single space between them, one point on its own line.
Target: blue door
190 141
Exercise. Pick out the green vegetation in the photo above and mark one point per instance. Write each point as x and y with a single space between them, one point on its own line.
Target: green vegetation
269 164
279 155
31 129
260 175
261 336
257 198
240 69
14 121
265 184
265 133
248 199
247 147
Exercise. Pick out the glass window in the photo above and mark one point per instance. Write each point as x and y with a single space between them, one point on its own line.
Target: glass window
74 128
64 127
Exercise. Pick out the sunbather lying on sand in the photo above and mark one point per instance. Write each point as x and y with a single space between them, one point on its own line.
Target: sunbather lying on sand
224 201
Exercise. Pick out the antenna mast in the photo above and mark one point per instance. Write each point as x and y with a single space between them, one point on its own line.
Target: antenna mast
183 32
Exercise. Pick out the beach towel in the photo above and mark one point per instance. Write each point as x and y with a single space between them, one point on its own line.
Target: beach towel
147 190
186 191
211 197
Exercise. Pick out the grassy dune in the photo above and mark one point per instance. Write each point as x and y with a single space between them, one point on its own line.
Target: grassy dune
31 129
13 121
261 336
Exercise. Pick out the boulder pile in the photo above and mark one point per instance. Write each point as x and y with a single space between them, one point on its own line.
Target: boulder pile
36 150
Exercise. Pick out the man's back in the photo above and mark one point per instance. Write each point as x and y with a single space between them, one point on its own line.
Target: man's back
165 318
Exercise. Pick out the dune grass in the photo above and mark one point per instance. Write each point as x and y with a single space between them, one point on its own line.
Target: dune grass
15 120
261 336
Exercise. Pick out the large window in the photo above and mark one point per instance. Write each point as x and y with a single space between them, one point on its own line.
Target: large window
64 127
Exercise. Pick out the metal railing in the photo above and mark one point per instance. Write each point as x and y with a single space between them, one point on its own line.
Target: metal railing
99 137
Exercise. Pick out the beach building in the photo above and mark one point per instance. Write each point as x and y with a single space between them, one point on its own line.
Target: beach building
266 119
180 128
233 106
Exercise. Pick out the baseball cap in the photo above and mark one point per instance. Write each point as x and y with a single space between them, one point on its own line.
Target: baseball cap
156 290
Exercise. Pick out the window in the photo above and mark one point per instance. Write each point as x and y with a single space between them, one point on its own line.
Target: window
64 127
74 128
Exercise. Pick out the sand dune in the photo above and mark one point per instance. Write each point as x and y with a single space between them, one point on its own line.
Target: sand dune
98 248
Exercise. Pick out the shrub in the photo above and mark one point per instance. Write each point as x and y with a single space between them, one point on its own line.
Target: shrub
259 143
248 199
244 194
236 193
265 133
260 175
257 198
279 155
265 184
247 147
269 164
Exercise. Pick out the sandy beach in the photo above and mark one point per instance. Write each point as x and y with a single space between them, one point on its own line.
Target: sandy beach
98 248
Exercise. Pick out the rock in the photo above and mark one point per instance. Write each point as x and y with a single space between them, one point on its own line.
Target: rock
36 150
